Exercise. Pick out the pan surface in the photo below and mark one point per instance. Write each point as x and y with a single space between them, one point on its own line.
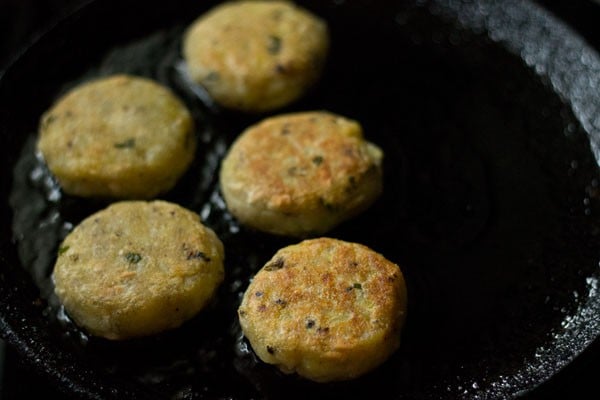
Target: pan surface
489 116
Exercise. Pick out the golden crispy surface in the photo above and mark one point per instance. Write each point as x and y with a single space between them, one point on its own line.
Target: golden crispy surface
256 55
137 268
325 309
301 174
121 136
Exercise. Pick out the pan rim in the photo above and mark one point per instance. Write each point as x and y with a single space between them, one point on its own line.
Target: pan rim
508 24
65 14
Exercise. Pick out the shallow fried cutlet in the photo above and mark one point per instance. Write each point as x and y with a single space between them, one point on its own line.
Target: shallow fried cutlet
301 174
137 268
119 136
256 56
325 309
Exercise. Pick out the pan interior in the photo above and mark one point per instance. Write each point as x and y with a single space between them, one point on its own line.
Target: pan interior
490 197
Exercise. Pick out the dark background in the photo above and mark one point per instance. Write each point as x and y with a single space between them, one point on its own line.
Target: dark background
22 20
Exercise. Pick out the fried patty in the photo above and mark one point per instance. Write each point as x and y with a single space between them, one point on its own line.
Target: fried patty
120 137
325 309
137 268
301 174
256 56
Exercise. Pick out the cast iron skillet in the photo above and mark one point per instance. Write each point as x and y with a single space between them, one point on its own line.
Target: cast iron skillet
489 115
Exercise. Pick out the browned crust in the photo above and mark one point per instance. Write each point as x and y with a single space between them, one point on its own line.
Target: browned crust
326 309
313 165
136 268
119 136
256 55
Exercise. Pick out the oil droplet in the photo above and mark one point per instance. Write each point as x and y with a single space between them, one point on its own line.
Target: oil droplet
574 164
62 316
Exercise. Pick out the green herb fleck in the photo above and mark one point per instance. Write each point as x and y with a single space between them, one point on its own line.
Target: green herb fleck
212 76
275 265
280 69
329 206
323 329
277 14
48 120
280 302
62 250
197 254
317 160
128 144
354 286
351 184
133 258
274 46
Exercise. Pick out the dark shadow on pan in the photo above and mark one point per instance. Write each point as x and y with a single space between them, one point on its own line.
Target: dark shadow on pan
490 201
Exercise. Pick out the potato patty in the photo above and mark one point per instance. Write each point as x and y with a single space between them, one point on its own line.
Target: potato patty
301 174
256 55
325 309
121 137
137 268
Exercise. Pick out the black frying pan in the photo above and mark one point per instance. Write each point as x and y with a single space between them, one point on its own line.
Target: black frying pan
489 115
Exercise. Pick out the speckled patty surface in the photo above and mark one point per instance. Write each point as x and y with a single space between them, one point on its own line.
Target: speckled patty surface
119 136
325 309
301 174
137 268
256 55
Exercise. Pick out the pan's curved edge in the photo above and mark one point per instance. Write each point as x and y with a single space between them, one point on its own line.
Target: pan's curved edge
32 352
572 67
36 36
64 382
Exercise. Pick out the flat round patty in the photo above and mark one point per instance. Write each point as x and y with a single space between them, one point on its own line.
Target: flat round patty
120 137
137 268
325 309
256 55
301 174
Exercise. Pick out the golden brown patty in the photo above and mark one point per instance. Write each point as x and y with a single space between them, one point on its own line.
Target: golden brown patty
301 174
137 268
121 136
256 55
325 309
